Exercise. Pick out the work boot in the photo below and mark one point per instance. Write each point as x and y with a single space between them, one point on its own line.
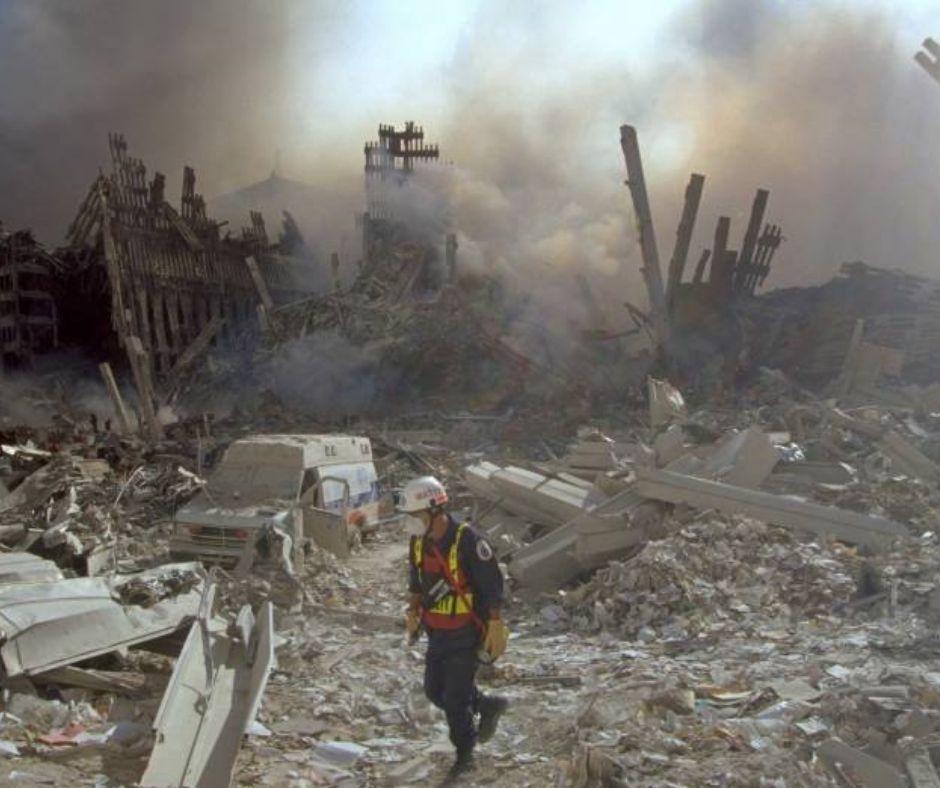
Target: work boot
491 709
462 765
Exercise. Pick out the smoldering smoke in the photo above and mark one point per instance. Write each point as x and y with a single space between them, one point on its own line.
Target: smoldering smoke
820 103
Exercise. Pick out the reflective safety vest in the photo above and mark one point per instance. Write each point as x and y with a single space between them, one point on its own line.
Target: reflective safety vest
453 610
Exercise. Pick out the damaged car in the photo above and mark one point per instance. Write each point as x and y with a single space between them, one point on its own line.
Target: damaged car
318 487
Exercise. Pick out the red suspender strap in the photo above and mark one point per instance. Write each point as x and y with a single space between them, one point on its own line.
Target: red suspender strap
456 589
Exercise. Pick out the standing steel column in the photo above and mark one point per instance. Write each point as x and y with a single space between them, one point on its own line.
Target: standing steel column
652 273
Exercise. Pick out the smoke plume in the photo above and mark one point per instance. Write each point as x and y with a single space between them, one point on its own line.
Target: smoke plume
823 106
819 103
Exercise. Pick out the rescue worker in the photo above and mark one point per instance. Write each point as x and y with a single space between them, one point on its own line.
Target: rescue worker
455 595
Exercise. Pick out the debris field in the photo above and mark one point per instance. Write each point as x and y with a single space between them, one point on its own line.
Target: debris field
722 559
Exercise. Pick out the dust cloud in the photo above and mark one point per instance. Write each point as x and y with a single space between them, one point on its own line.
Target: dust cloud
821 104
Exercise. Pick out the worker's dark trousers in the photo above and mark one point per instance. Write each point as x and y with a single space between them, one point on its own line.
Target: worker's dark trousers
449 680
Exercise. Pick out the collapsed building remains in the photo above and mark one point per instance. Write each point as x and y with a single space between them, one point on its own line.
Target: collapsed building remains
693 322
388 238
167 279
810 331
29 322
729 589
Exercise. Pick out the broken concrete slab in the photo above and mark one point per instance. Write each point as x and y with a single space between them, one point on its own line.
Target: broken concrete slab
908 459
816 471
744 459
212 698
550 501
921 771
505 532
28 451
596 453
602 538
121 682
589 540
548 562
610 529
48 625
669 445
871 771
671 487
478 480
37 487
532 496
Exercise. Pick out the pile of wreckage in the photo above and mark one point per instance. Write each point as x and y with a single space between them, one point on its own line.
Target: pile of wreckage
669 530
609 495
29 322
110 648
787 513
771 513
85 607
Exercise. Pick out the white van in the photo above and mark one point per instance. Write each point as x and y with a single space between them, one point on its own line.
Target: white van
322 487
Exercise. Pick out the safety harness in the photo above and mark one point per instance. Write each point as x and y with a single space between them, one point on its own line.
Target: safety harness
453 608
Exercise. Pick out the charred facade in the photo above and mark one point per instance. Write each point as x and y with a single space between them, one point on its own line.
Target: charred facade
164 276
28 316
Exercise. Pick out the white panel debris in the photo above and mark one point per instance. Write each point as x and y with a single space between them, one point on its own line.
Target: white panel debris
47 625
212 698
27 568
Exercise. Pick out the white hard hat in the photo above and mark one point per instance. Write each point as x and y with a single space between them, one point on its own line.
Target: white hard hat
419 494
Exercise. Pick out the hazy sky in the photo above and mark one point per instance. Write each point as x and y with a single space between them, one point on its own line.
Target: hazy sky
820 102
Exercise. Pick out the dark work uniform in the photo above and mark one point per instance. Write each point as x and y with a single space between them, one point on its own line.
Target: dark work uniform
453 636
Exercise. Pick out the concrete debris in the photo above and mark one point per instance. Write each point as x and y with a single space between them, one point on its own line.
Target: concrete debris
212 699
870 771
719 525
541 499
921 771
743 459
663 485
713 575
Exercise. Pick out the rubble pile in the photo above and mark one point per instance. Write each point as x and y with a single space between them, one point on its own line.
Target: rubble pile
72 506
29 324
729 577
711 576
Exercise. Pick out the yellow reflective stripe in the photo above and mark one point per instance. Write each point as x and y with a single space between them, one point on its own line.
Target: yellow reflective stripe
452 604
458 606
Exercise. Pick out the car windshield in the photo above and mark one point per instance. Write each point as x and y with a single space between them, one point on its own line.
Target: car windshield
254 485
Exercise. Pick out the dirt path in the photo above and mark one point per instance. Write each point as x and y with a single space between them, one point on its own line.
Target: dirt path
350 679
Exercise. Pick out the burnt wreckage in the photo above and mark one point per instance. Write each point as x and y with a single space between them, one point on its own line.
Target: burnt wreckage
167 277
152 290
28 318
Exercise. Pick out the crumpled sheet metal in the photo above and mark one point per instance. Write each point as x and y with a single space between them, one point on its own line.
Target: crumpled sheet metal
48 625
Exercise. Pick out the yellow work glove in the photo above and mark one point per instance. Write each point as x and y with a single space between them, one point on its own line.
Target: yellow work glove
495 640
412 624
